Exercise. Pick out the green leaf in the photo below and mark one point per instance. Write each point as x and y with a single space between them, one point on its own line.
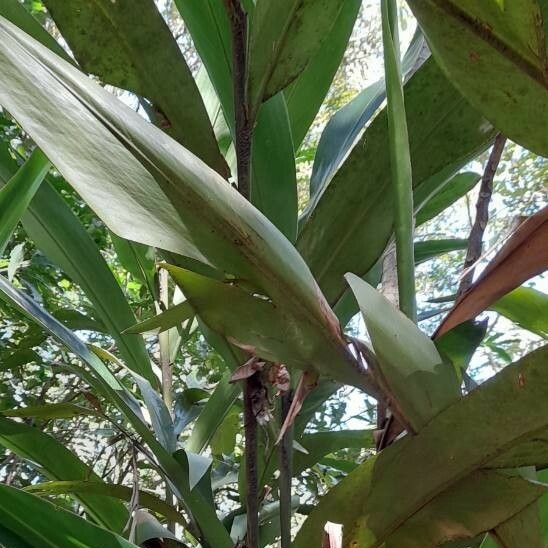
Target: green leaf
320 444
128 44
411 368
307 93
351 221
120 492
40 523
187 407
49 411
172 317
284 37
428 249
495 54
343 128
400 161
273 177
449 450
456 188
55 230
254 323
17 258
224 439
162 196
527 307
139 260
148 528
59 463
17 193
459 344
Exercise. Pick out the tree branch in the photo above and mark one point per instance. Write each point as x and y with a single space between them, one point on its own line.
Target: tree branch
475 240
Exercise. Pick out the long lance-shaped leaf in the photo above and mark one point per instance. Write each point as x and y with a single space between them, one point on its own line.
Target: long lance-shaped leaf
495 53
454 445
17 194
37 522
306 94
149 189
400 161
113 491
524 255
351 221
58 463
101 379
128 44
171 317
285 36
58 233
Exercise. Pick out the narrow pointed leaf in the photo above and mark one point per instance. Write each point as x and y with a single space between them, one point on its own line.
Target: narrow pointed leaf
174 316
285 36
428 249
495 53
51 526
49 411
18 192
414 372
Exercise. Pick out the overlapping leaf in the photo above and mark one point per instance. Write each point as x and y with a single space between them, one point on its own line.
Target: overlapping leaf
149 189
351 221
495 53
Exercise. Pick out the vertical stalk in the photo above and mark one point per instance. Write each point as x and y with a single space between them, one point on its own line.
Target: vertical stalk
286 473
165 365
242 144
400 161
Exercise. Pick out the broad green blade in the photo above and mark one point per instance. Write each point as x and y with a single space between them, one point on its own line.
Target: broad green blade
114 491
273 176
306 94
417 379
284 37
58 463
149 189
495 54
128 44
253 323
174 316
58 233
105 384
40 523
456 188
351 221
381 496
17 193
527 307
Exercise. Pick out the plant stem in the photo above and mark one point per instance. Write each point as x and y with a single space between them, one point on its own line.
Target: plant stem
400 161
251 473
475 240
238 21
286 473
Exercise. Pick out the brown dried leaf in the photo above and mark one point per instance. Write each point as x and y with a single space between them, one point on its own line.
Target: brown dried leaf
524 255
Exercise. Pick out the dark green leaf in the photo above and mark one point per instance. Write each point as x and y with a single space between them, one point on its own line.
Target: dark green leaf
428 249
172 317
